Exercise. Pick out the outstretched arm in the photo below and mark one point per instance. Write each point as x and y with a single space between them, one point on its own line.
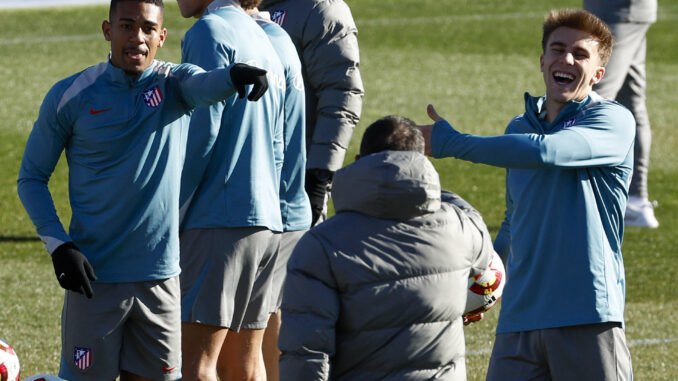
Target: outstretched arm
602 138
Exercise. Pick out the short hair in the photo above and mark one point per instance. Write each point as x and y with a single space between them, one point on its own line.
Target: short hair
581 20
249 4
392 133
114 5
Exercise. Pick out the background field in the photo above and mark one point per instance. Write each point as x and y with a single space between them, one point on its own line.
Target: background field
472 59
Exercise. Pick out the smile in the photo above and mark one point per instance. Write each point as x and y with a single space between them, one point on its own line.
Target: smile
562 77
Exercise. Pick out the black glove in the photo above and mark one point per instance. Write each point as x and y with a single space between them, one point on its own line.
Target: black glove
317 184
243 74
72 269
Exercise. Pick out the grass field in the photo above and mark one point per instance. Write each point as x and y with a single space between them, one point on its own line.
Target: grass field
472 59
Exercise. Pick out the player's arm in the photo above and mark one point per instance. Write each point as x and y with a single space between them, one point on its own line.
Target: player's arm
603 138
45 144
310 310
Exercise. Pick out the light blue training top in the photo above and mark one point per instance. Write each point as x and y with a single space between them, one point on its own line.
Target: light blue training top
566 192
234 153
294 204
124 145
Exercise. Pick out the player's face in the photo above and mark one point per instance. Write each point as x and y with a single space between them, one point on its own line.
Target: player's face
570 65
193 8
135 32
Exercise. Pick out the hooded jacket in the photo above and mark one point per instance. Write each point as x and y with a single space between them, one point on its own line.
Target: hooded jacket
378 290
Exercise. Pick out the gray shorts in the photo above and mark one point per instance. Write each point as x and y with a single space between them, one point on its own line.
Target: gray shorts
135 327
288 241
594 352
226 276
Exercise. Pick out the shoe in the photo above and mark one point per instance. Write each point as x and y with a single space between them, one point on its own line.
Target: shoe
640 212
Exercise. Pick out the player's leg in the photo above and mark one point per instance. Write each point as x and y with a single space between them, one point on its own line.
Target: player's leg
151 347
270 349
620 61
241 356
288 240
92 332
640 211
593 352
206 301
200 346
518 356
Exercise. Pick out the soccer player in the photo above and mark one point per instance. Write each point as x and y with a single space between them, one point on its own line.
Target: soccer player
569 159
625 81
378 291
294 204
230 201
122 124
326 39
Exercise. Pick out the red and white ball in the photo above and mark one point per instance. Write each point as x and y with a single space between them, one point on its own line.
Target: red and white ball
9 363
485 289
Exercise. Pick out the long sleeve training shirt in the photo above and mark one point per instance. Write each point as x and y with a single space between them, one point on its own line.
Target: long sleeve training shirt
566 192
123 138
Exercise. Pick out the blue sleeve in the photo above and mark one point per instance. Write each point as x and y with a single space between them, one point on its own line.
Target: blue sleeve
602 138
49 137
201 88
502 243
200 48
310 310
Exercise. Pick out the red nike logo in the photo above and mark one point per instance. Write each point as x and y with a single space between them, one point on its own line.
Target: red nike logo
167 370
93 111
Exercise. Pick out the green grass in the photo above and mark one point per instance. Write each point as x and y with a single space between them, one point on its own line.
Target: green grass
472 59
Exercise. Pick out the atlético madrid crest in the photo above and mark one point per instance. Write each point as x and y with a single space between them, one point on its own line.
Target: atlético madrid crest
82 357
278 16
152 97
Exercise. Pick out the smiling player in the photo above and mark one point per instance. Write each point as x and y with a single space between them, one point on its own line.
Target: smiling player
122 124
569 159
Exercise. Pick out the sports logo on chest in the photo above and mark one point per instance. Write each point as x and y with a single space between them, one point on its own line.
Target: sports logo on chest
278 16
152 96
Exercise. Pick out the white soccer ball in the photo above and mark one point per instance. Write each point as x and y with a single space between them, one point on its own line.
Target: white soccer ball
9 363
44 377
485 289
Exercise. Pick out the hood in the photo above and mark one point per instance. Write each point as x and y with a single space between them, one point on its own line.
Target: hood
394 185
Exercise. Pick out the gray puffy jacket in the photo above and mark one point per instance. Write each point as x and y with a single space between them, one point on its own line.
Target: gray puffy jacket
377 291
326 39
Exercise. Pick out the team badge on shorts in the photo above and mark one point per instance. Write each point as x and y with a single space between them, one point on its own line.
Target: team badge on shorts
569 123
152 97
82 357
279 16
